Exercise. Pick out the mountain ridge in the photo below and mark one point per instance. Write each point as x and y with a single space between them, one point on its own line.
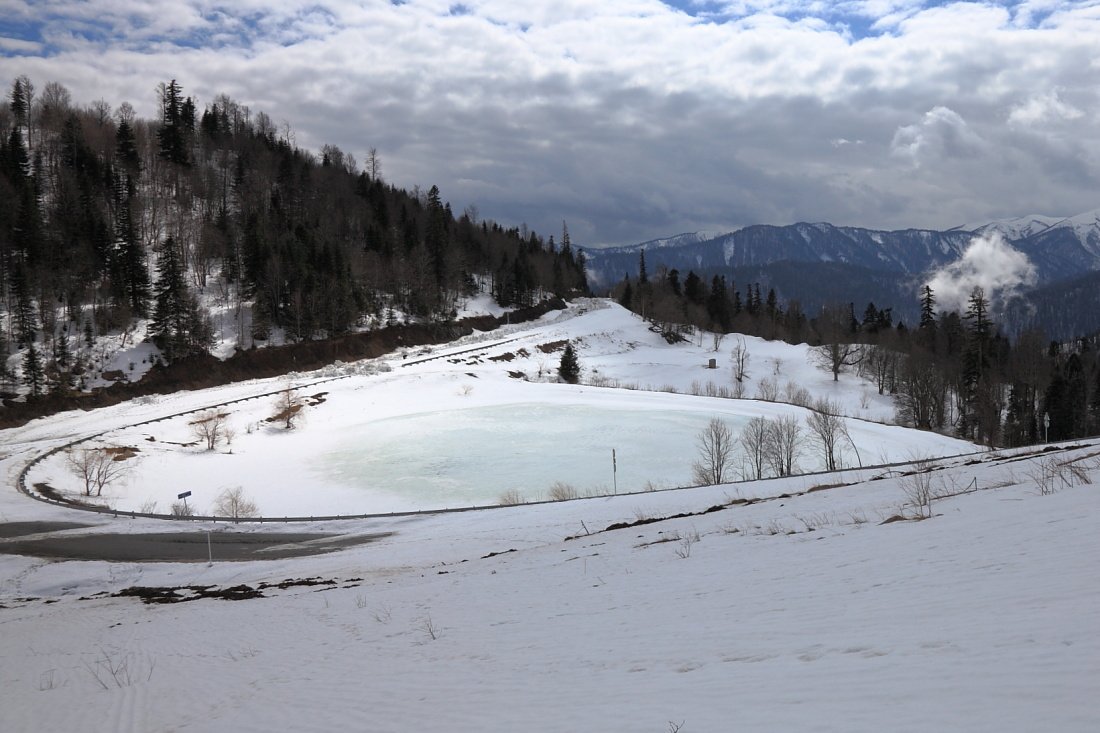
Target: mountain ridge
1060 248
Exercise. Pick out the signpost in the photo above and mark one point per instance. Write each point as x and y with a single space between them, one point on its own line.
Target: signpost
209 550
614 471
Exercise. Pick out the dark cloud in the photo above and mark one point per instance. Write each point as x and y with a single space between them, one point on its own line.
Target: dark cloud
632 119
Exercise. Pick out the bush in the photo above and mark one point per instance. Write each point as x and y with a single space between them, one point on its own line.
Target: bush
562 491
235 504
511 497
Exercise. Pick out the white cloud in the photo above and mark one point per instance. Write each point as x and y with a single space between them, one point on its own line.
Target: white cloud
1042 108
989 263
941 132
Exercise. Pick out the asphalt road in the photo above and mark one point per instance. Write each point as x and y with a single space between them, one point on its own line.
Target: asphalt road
42 539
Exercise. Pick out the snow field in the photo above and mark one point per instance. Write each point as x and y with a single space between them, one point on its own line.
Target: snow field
462 430
800 610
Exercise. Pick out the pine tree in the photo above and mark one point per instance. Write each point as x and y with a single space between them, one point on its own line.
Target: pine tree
129 256
178 327
643 277
435 235
927 327
975 359
627 296
34 375
569 369
173 134
18 102
126 151
694 288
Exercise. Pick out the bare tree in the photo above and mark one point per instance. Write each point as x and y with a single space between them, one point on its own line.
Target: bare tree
717 337
753 440
181 509
211 427
880 365
373 164
837 351
917 487
836 357
715 444
921 400
235 503
767 389
740 358
288 408
96 467
782 445
827 431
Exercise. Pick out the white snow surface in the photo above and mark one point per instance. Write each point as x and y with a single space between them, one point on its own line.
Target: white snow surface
798 611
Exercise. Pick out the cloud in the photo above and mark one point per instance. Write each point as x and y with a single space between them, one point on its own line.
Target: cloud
1043 108
989 263
633 119
941 132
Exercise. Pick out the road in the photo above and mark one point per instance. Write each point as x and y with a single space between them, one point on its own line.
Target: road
49 540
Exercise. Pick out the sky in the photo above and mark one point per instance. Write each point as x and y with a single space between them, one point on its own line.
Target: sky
632 119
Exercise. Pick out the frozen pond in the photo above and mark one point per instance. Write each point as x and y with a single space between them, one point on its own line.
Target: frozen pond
472 456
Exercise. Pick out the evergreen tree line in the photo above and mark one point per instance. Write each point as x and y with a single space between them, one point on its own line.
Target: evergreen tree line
952 372
106 218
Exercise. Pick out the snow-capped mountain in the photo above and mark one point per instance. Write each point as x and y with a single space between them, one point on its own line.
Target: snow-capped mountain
1059 247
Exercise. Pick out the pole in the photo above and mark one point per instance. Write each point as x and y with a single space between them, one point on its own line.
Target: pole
614 471
209 552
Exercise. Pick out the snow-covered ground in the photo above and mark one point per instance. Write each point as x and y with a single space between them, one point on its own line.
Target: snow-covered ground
798 611
462 424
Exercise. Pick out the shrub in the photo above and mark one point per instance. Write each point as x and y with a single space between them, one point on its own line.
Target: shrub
562 491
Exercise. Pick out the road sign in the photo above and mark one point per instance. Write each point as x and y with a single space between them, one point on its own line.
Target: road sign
184 495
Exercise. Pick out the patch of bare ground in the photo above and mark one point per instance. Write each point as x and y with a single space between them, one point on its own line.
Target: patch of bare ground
551 347
121 452
187 593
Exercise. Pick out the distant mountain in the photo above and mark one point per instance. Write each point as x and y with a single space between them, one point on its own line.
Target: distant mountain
1059 248
1064 310
820 263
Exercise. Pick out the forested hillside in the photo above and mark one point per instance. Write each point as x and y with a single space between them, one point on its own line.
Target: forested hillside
109 222
946 371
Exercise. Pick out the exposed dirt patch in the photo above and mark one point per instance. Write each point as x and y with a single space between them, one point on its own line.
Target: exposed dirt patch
506 356
652 520
187 593
121 452
551 347
495 554
316 399
297 582
54 495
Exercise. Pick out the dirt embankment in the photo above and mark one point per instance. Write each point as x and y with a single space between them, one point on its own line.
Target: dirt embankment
200 372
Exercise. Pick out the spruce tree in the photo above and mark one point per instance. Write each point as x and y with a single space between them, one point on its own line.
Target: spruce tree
569 369
129 256
627 296
178 327
126 151
173 134
34 374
